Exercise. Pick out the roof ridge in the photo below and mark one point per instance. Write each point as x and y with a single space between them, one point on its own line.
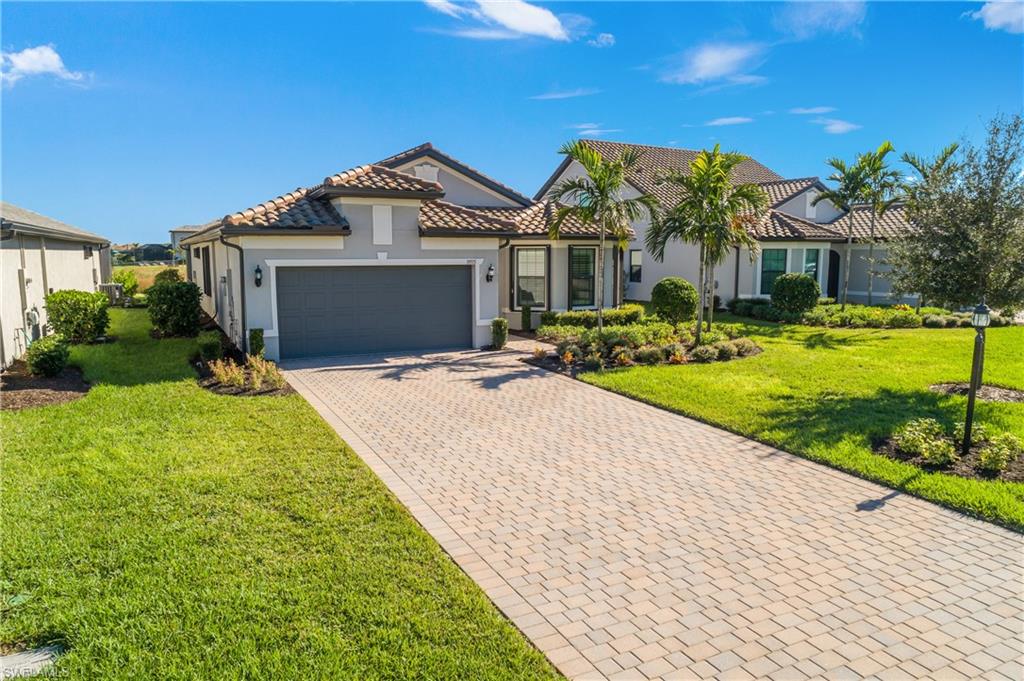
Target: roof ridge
637 144
811 178
408 152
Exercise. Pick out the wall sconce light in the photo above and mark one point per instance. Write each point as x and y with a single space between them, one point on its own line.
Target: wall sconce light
490 273
259 276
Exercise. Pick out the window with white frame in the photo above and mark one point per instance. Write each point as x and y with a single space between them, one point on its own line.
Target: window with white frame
531 277
773 265
581 276
636 262
811 260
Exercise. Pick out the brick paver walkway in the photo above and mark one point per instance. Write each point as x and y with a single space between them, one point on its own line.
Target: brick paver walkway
627 542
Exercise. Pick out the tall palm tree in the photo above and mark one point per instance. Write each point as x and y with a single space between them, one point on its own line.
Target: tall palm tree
598 199
711 211
880 192
848 190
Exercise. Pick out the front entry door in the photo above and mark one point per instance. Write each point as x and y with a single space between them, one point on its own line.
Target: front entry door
833 275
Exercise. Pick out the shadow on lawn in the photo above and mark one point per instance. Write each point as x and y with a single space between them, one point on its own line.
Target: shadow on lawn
830 341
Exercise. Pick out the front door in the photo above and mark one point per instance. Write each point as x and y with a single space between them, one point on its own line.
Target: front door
833 275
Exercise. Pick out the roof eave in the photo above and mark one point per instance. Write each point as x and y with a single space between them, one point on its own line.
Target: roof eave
16 227
328 192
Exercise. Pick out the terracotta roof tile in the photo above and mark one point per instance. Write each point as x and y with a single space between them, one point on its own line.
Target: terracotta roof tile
294 209
780 191
891 224
438 216
776 225
535 220
379 178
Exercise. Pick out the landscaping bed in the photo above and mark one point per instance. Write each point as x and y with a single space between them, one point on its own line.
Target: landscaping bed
19 389
989 393
964 466
832 315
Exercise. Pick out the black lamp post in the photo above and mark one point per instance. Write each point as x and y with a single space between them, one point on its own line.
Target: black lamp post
980 321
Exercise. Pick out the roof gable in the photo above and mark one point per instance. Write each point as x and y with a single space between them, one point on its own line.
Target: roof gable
43 225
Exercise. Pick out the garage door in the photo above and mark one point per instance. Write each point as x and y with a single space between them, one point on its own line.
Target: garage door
354 310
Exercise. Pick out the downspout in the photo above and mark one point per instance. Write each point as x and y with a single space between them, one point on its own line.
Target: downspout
241 280
736 276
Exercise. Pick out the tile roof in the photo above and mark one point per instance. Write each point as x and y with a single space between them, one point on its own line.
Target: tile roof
437 216
429 150
535 220
656 161
776 225
377 177
28 218
292 210
780 191
891 224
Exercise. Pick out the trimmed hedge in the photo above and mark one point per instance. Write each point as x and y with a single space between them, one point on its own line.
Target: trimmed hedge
47 356
174 308
78 316
499 332
795 292
256 345
627 314
674 299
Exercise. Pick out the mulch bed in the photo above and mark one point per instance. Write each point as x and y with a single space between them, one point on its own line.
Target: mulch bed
988 393
207 381
964 468
19 389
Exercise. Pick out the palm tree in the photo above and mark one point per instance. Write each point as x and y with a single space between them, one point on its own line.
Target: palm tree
598 199
711 211
880 192
848 190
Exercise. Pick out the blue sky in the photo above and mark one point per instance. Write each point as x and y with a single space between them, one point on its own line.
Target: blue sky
129 119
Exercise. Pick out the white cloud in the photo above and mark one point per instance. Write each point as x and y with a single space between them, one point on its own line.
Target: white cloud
835 126
717 62
803 111
602 40
592 129
1002 16
804 20
729 120
567 94
503 19
36 61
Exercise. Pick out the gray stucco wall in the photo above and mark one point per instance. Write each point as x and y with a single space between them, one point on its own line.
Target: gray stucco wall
457 187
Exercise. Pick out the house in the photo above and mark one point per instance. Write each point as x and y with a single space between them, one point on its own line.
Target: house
39 255
417 251
795 235
177 234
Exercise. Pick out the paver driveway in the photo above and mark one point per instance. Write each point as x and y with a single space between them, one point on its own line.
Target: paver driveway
628 542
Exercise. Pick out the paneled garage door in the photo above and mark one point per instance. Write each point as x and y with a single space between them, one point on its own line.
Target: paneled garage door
354 310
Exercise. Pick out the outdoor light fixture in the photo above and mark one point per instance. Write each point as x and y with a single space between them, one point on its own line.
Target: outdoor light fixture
259 276
979 320
490 272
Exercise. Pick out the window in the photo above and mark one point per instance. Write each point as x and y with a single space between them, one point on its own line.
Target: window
207 286
531 277
581 276
773 263
811 263
87 251
636 261
195 252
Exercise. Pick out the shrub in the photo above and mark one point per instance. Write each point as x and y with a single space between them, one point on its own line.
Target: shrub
712 337
526 318
704 353
731 331
795 292
140 300
168 276
979 433
649 354
999 453
904 319
631 336
174 308
592 362
78 316
914 436
939 453
558 333
226 372
726 350
569 353
745 347
627 314
934 321
622 357
674 299
548 318
263 372
499 332
47 356
540 352
256 346
128 281
210 345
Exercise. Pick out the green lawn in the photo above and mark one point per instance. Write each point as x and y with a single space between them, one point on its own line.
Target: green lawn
158 530
825 394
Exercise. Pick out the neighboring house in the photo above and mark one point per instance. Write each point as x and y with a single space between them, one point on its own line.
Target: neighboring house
794 235
39 255
417 251
177 234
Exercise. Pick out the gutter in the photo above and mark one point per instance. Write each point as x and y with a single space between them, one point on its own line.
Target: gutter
241 279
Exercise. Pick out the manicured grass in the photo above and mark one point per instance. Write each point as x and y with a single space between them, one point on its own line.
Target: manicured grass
144 274
827 394
158 530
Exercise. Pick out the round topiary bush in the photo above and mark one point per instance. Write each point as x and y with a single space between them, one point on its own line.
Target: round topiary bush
795 292
674 299
47 356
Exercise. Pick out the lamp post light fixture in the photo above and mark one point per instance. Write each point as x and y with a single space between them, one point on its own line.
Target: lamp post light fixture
980 320
490 273
258 276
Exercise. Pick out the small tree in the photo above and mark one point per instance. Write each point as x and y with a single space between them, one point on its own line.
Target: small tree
967 211
880 191
598 199
711 211
848 189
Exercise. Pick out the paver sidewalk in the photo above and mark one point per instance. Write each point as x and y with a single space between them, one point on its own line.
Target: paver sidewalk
628 542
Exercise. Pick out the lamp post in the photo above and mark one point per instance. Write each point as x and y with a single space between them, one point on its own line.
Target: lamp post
980 321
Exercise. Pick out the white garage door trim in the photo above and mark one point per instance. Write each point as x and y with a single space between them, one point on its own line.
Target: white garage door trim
374 262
